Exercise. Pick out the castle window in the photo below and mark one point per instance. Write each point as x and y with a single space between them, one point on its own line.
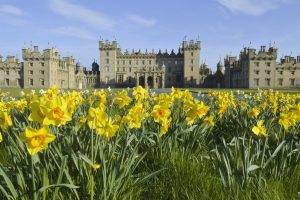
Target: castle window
192 61
256 82
143 62
268 81
268 72
292 72
268 64
192 53
192 68
129 62
280 81
42 72
117 69
178 78
7 72
136 62
120 78
107 69
129 69
149 62
292 80
31 81
118 62
106 79
107 61
30 72
256 72
257 64
107 53
280 72
123 62
31 64
42 64
42 82
7 82
129 79
123 69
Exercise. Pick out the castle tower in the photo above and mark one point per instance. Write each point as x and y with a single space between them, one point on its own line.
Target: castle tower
191 52
40 70
108 62
70 65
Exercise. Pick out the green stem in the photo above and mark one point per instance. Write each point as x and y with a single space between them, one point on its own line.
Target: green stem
92 175
33 192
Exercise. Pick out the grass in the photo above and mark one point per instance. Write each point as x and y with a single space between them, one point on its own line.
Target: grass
185 178
16 92
206 90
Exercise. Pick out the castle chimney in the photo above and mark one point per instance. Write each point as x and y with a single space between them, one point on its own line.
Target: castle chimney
35 48
287 59
298 59
263 48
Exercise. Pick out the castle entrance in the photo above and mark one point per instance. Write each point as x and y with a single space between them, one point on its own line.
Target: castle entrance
152 77
142 81
150 82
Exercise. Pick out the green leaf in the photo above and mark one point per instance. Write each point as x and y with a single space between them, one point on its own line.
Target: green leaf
9 183
42 189
252 168
275 153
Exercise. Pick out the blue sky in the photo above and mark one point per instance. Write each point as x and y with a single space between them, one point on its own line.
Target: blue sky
74 27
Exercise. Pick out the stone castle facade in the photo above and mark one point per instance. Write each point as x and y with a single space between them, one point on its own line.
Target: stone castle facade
261 70
45 69
155 70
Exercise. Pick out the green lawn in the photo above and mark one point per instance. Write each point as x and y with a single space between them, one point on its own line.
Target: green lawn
16 92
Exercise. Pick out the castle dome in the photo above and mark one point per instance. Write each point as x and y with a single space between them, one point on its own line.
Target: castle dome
95 66
79 66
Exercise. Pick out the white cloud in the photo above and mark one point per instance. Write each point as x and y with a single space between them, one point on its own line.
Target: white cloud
10 10
252 7
83 14
141 20
12 15
74 32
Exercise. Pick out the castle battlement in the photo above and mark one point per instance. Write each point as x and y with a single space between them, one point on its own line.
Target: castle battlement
9 60
35 54
106 45
263 54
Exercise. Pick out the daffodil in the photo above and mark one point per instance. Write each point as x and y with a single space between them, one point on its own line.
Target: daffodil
165 127
253 113
209 121
287 120
37 140
202 109
122 99
58 114
160 113
139 93
5 120
259 129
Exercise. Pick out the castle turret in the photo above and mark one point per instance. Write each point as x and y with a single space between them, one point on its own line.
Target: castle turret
108 62
191 52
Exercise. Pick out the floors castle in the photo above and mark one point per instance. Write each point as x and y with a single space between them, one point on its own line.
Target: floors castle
119 68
